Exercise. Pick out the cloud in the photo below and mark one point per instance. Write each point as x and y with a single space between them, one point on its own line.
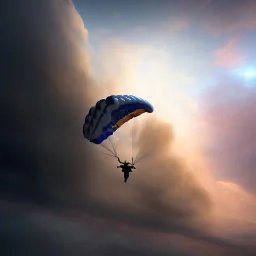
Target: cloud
228 111
43 234
218 17
46 90
243 204
44 231
172 180
229 17
228 55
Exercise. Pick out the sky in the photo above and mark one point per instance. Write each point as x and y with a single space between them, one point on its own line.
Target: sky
194 61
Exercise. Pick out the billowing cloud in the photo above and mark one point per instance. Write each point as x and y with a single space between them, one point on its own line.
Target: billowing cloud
46 89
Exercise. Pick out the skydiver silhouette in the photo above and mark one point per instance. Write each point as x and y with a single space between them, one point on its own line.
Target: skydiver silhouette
126 168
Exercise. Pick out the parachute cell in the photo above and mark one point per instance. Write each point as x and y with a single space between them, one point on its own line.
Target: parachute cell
110 114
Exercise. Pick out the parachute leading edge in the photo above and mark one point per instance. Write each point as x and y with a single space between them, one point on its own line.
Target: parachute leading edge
110 114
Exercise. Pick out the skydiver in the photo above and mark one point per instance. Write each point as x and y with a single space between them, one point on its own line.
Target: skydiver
126 168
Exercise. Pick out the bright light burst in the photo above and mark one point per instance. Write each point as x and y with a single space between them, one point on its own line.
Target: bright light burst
248 73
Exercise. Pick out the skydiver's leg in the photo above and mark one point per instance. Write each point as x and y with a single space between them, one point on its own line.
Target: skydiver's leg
126 176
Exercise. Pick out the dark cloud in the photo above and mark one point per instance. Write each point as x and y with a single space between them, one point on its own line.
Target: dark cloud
26 232
42 234
229 114
44 94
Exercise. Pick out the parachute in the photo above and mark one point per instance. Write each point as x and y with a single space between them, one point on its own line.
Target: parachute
109 114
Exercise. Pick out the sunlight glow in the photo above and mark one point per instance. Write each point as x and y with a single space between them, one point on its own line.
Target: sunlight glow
166 89
248 73
149 73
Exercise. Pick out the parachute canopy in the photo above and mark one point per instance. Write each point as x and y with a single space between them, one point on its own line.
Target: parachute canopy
110 114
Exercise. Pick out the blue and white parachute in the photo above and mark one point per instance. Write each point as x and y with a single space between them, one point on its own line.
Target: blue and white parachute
110 114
